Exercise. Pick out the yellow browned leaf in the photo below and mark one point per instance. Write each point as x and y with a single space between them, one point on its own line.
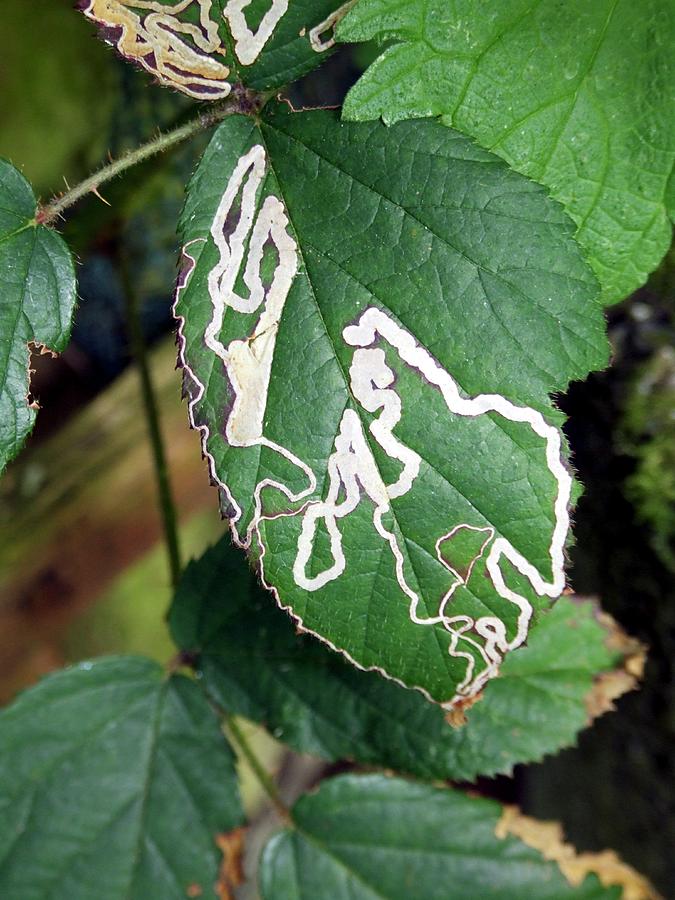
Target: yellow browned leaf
610 685
548 839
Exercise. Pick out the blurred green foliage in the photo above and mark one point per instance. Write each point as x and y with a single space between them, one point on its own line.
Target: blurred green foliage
56 100
647 434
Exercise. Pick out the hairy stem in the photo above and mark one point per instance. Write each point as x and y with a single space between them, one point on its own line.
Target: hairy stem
165 495
241 101
259 770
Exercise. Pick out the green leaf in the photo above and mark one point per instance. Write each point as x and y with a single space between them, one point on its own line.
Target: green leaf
368 837
576 95
37 300
203 47
254 665
372 321
115 781
299 41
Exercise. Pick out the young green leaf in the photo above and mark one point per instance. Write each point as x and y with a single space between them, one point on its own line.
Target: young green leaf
255 665
203 47
371 323
368 837
108 769
577 95
37 299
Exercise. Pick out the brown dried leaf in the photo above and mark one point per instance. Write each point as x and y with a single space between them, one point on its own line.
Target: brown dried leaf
548 839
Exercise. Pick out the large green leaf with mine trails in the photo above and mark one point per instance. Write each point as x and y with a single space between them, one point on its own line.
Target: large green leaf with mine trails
204 47
253 664
37 299
370 837
372 320
115 782
577 95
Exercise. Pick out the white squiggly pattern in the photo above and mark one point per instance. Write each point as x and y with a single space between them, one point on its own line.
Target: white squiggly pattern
157 41
316 35
352 470
248 44
248 362
180 53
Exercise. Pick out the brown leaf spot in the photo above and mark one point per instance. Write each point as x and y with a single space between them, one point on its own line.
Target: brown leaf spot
194 890
455 715
231 873
548 839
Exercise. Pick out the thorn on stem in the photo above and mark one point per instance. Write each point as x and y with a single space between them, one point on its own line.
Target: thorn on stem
94 190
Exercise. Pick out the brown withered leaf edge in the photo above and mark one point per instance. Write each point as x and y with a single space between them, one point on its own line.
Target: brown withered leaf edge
548 839
609 686
231 873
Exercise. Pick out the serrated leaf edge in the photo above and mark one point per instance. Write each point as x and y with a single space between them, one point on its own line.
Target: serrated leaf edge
272 221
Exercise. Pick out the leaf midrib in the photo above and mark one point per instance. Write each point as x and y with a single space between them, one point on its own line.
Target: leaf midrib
149 767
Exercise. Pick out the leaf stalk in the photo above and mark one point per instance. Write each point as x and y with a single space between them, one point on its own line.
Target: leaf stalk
242 101
260 772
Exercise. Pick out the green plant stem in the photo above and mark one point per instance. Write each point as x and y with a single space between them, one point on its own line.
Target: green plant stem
165 495
240 102
260 772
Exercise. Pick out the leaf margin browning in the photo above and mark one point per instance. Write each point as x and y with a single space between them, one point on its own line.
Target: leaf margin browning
338 828
317 703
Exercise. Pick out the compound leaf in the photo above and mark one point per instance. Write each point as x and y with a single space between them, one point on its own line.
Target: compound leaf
371 323
576 95
255 665
37 300
115 782
203 47
369 837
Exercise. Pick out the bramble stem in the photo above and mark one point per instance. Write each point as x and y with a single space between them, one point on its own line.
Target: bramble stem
259 770
139 353
240 101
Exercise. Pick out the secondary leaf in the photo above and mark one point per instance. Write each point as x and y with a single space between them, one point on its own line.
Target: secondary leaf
255 665
37 299
367 837
577 95
115 783
203 47
372 321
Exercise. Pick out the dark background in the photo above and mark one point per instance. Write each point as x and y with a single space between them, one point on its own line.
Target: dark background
65 102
